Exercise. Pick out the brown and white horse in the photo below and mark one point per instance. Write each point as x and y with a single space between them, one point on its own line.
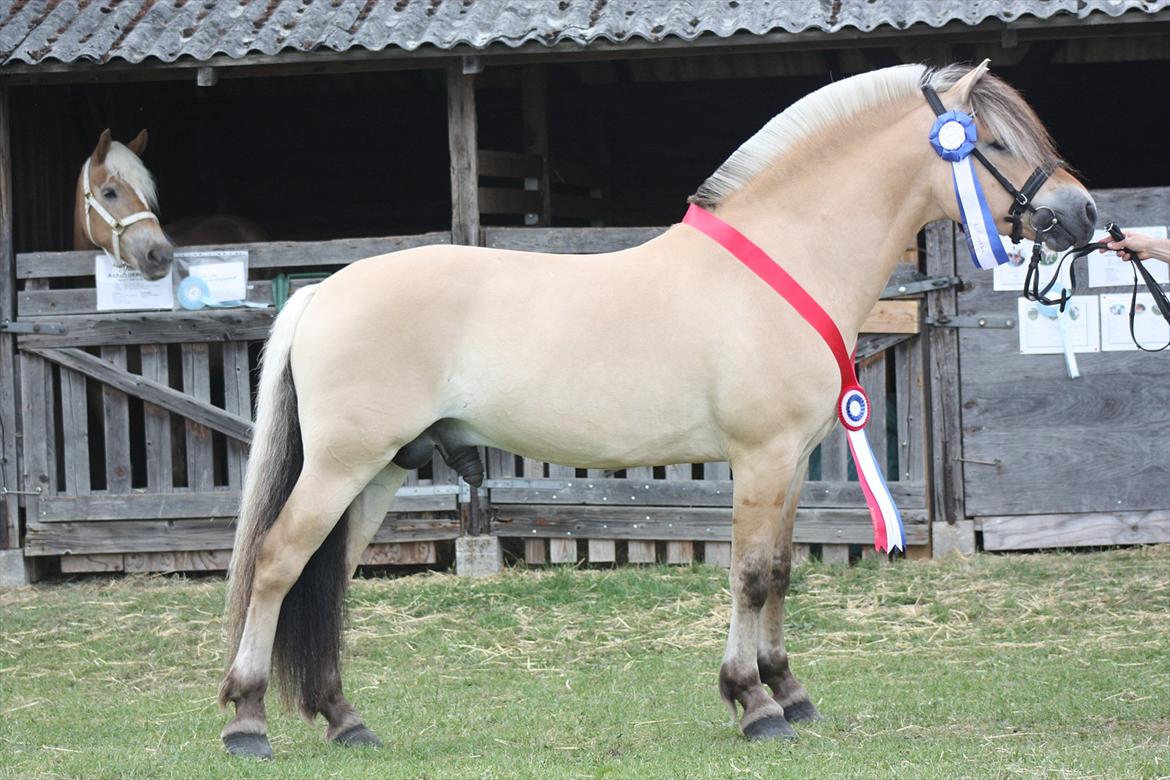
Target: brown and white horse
462 347
115 210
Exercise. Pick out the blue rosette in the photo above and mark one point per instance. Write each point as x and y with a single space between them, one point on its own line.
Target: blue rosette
953 135
194 293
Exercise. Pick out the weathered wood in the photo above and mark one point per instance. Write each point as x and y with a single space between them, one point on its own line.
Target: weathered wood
35 408
197 384
680 553
800 554
462 145
268 254
176 506
872 376
911 409
75 429
584 241
534 117
193 560
148 390
164 327
687 492
835 553
501 200
638 551
535 551
10 469
52 304
237 400
837 526
602 551
509 165
943 377
561 550
899 316
871 553
717 554
1092 529
102 562
400 554
116 421
160 476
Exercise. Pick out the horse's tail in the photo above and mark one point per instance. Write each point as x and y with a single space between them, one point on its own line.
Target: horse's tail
309 630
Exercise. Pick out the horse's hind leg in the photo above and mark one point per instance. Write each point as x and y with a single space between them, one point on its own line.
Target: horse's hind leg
761 491
772 657
321 494
364 516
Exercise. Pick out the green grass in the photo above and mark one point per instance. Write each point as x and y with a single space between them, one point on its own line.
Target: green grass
1052 665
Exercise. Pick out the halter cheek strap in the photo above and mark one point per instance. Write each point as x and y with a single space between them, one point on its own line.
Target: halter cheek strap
117 226
852 403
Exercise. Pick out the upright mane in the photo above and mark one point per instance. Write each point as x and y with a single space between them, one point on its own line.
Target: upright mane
999 107
124 164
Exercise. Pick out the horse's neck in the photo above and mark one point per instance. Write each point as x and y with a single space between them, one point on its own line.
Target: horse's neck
839 220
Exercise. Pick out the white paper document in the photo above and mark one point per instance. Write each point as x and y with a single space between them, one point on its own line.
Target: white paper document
1010 276
1148 326
121 288
1041 331
1108 270
225 281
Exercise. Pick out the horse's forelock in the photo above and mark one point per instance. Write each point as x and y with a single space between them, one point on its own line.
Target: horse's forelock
124 164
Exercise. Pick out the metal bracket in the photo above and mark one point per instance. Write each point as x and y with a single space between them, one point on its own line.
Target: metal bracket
7 492
9 326
973 321
925 284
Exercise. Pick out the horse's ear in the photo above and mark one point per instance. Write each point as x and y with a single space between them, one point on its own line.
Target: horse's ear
102 148
961 92
138 145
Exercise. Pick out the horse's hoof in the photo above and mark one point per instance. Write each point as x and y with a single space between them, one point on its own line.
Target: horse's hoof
248 745
358 736
770 727
801 712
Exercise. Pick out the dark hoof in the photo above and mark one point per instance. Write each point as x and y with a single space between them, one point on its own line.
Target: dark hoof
771 727
358 736
248 745
801 712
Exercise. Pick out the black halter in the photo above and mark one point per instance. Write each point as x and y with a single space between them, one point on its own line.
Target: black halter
1021 204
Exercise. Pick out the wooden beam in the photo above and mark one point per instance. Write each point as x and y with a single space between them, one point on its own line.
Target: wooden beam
9 460
892 317
534 116
161 327
1093 529
148 390
509 165
462 145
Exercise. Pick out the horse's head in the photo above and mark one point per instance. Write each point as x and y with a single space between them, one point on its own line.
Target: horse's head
116 201
1012 139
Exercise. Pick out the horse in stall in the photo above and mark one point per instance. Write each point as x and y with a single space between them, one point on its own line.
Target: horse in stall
459 347
114 210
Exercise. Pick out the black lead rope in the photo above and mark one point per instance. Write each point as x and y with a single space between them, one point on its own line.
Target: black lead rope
1032 293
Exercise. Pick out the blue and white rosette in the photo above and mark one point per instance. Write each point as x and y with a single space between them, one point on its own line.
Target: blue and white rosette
194 293
888 533
953 136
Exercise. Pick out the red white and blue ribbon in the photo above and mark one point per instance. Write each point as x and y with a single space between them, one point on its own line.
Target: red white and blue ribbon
852 404
953 137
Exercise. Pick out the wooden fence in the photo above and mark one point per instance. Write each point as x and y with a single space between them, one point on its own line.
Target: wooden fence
135 428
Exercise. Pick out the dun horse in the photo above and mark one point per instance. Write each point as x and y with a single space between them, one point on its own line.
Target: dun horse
115 210
459 347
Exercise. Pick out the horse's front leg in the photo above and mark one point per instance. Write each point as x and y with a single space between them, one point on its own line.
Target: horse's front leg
762 481
772 656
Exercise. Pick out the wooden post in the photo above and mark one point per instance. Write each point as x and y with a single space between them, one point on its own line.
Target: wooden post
534 108
461 141
9 467
946 447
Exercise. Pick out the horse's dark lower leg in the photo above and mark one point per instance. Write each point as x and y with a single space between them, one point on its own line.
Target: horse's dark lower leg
345 724
247 733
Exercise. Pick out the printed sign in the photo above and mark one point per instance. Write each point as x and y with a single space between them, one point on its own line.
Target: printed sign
1044 331
1148 326
122 288
1106 269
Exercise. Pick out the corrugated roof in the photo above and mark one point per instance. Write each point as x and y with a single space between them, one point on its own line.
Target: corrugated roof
103 31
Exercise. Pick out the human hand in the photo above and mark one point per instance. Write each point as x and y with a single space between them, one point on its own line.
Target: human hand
1142 246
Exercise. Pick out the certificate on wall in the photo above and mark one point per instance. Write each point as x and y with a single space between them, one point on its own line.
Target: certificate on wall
122 288
1106 269
1010 276
1045 331
1149 328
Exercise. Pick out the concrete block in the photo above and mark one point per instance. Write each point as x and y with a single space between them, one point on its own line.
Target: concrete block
478 556
957 537
13 569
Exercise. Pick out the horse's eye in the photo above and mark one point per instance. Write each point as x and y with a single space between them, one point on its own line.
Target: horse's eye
109 193
997 146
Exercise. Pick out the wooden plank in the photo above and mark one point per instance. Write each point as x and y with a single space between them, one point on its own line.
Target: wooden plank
717 471
102 562
534 120
509 165
582 241
116 421
157 423
800 554
10 467
148 390
269 254
909 360
462 144
639 551
175 506
1092 529
872 376
899 316
562 550
400 554
680 553
602 551
197 384
833 526
688 492
717 554
165 327
943 381
75 431
837 554
191 560
35 408
149 536
237 400
82 300
535 551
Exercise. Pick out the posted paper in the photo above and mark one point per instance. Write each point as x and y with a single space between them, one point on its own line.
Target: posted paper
122 288
1040 331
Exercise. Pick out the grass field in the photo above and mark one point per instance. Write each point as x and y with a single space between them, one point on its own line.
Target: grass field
1053 665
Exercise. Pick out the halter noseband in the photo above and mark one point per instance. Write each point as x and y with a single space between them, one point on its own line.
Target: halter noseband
117 226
